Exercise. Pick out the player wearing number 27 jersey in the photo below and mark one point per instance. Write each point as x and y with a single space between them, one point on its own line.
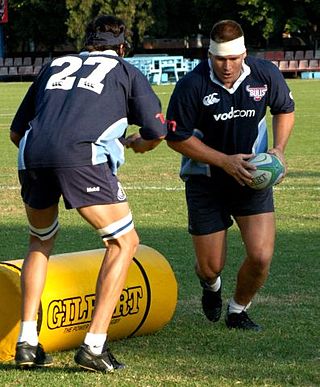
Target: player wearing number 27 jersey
71 131
77 111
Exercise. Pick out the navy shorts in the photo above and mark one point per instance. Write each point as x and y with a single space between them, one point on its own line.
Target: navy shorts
79 186
212 205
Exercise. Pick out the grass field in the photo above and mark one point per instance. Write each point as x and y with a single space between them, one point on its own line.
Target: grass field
191 351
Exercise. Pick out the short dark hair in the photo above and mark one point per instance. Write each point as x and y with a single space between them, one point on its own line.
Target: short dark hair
105 32
226 30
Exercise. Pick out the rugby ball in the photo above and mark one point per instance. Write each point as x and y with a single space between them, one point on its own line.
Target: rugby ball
269 170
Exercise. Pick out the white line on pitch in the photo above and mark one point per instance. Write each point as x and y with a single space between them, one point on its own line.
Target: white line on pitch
150 188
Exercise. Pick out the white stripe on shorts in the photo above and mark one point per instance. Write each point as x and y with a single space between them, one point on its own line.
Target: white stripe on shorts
116 229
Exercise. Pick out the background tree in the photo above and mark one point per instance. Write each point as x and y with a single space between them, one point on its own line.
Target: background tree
261 15
35 25
79 12
273 17
43 25
136 14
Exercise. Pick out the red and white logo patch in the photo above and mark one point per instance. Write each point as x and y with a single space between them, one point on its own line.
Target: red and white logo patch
257 93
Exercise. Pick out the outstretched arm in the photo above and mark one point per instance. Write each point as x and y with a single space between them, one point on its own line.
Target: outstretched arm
139 145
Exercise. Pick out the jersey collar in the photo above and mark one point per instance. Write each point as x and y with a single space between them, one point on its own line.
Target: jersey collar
245 71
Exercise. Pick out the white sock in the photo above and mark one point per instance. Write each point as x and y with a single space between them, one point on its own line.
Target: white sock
95 342
215 286
28 332
234 307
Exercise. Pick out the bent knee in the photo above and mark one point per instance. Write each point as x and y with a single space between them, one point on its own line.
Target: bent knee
260 261
208 271
42 239
121 233
128 242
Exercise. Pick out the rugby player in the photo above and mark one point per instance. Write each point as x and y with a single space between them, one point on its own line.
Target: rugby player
217 117
70 130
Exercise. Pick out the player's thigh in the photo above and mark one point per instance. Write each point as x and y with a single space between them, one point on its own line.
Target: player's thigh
210 251
41 218
114 224
258 235
102 215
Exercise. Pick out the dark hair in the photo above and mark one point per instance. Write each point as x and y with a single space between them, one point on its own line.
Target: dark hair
105 32
226 30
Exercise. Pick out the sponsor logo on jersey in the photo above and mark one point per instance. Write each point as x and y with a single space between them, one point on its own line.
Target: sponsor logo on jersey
257 93
121 195
210 99
93 189
235 113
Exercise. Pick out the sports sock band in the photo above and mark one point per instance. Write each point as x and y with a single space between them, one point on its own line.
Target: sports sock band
45 233
116 229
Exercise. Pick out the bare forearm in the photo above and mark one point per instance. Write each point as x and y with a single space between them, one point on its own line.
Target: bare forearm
195 149
140 145
282 128
234 165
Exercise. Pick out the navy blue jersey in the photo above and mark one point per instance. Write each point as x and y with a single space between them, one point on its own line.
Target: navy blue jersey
232 120
77 110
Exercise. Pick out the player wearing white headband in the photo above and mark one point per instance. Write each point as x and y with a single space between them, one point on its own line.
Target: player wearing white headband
218 111
227 52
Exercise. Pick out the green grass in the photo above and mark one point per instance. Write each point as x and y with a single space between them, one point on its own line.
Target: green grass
190 351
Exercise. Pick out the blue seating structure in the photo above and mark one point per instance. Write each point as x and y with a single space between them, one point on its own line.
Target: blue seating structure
163 69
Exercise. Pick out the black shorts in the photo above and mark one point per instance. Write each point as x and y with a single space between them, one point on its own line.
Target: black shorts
212 205
79 186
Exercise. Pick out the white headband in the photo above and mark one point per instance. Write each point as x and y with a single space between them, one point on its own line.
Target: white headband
233 47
